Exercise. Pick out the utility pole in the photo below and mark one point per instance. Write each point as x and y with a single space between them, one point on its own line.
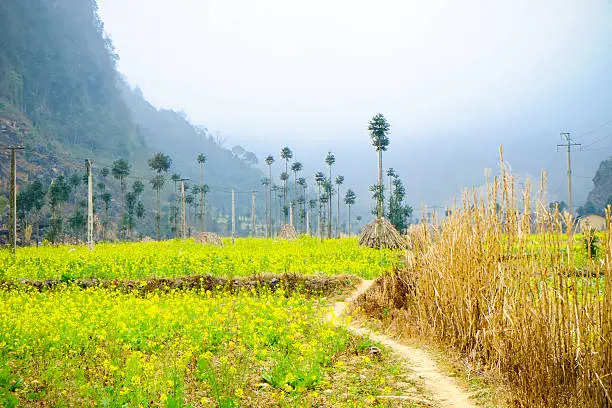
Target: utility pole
253 234
569 143
233 217
90 220
13 198
183 219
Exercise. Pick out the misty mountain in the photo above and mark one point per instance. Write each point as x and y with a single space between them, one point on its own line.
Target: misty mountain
63 98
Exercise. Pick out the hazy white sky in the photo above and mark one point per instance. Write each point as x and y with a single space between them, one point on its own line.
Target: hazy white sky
319 68
273 72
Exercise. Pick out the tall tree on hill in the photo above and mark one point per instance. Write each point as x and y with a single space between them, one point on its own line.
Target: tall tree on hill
349 200
339 181
286 154
296 167
330 159
269 161
379 134
159 163
201 159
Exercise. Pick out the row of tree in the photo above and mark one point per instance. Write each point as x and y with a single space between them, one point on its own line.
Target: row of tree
296 207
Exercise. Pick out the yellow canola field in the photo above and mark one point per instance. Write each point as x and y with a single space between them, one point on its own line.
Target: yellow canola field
180 258
98 347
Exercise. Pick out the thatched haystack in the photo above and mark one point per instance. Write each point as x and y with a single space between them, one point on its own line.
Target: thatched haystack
147 239
380 233
288 232
208 238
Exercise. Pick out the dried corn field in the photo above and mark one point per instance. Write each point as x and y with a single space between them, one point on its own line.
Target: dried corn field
498 281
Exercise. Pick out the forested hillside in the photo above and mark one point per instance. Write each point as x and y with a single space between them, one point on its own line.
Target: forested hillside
62 97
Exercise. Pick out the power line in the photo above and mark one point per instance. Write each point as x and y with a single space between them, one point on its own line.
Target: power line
594 129
597 141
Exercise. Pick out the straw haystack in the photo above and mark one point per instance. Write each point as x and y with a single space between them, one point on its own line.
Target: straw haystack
380 233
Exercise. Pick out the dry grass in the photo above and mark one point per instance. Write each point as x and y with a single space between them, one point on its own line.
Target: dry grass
380 233
208 238
482 284
288 232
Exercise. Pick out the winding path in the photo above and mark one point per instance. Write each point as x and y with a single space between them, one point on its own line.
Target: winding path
444 390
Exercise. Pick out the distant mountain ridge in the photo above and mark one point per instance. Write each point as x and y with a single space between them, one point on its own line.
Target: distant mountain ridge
601 195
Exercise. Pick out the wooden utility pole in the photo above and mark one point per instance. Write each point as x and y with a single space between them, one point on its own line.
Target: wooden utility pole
569 143
90 219
233 217
13 198
183 214
253 234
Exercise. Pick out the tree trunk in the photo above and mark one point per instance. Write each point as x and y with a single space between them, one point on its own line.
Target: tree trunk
203 213
331 188
158 217
338 215
380 183
285 192
270 201
201 197
349 220
295 198
320 219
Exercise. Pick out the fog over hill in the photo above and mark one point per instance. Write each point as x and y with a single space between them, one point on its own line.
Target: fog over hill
455 80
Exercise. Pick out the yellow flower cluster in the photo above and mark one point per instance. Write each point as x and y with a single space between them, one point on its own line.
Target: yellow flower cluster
117 349
180 258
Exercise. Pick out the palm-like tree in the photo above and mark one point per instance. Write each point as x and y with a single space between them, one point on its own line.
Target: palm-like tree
160 163
140 213
391 174
326 186
296 167
266 183
269 161
157 183
120 170
330 159
284 177
278 194
319 179
349 200
312 204
201 161
339 181
286 154
379 133
175 209
204 189
302 183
